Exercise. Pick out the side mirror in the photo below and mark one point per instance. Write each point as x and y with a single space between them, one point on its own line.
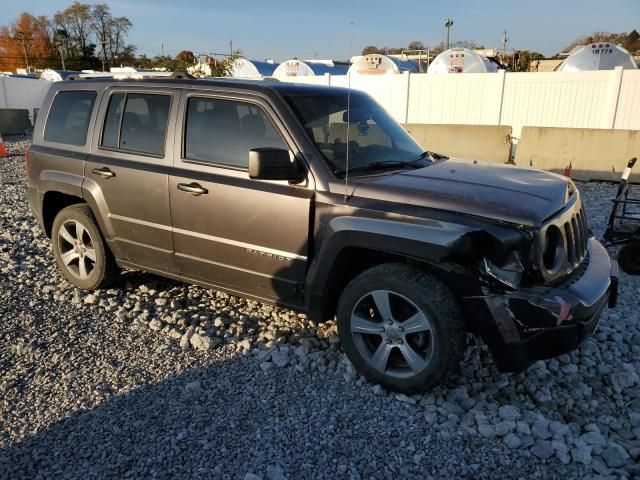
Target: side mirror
268 163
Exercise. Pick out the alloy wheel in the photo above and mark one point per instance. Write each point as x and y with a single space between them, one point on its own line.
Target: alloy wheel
392 333
77 249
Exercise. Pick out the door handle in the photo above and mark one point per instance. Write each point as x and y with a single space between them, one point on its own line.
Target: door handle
103 172
192 188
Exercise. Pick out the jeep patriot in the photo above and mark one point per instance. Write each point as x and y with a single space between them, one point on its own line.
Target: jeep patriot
315 199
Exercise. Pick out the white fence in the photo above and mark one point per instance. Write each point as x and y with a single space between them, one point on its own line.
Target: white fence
24 93
599 99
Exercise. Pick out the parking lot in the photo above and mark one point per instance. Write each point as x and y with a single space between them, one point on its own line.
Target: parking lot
158 379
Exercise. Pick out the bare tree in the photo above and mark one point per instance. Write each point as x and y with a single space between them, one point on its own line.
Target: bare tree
120 28
102 24
74 25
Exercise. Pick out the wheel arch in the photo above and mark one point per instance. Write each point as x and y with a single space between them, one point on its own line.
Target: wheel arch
353 245
52 203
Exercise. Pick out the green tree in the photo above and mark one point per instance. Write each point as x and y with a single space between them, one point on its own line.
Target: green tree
525 57
369 49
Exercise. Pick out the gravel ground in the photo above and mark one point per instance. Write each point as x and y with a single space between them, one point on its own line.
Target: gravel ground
160 379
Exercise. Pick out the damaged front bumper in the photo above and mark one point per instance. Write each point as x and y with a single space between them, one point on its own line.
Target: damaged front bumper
542 322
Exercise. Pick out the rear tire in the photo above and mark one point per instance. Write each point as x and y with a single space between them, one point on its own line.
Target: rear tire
629 258
79 249
401 327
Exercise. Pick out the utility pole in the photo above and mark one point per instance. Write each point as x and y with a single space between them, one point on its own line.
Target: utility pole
231 48
23 39
448 23
61 50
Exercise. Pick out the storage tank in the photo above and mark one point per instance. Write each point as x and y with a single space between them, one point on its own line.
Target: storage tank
597 56
302 68
243 68
461 60
378 64
56 75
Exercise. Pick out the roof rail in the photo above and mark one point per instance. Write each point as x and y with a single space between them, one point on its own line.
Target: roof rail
130 75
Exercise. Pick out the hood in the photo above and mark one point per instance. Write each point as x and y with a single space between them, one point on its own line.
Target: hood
502 192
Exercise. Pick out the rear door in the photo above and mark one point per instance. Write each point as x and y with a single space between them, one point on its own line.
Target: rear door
127 174
244 235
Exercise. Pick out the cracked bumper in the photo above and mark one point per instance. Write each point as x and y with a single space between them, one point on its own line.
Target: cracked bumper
543 322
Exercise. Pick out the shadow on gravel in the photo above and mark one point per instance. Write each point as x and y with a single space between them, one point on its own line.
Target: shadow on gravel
229 419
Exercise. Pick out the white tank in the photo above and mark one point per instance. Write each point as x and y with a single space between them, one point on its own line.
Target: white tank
305 68
56 75
461 60
378 64
243 68
597 56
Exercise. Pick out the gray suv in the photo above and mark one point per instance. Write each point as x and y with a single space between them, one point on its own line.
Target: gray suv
315 199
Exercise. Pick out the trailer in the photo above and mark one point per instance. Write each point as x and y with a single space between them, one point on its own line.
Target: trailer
597 56
305 68
462 60
243 68
378 64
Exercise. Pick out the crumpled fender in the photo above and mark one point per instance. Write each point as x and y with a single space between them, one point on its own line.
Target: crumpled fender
436 242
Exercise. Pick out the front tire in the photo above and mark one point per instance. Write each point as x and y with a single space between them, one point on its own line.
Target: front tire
79 249
401 327
629 258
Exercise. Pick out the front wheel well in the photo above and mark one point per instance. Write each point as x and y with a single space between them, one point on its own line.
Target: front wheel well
52 203
352 261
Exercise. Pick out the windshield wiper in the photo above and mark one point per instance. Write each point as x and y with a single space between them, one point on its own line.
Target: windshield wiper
380 166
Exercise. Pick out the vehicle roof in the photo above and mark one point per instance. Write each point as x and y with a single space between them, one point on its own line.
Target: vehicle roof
284 88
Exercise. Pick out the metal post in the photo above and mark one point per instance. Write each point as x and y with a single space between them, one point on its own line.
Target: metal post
448 23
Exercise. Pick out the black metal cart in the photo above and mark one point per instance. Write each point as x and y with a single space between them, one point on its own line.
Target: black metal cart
624 223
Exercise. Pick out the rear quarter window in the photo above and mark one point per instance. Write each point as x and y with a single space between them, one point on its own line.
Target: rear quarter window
69 116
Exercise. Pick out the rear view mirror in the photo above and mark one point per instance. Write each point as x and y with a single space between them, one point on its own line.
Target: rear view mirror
356 115
273 164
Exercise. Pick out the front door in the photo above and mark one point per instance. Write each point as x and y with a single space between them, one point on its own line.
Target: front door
248 236
127 175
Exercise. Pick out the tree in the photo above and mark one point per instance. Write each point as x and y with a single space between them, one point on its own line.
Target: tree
75 22
525 57
371 49
120 28
416 45
186 56
632 42
102 24
26 43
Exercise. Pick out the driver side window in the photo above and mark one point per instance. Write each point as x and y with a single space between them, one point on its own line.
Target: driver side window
223 131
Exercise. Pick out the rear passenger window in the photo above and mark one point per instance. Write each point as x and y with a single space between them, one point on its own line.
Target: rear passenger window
69 116
223 131
136 122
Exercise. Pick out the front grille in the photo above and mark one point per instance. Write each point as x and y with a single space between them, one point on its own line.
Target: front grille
576 236
563 241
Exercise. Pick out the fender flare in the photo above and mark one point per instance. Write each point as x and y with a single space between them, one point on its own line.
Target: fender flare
429 241
436 242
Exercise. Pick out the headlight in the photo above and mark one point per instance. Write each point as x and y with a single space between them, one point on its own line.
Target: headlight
509 274
553 252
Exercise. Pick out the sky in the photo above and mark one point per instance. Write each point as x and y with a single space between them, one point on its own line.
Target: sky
282 29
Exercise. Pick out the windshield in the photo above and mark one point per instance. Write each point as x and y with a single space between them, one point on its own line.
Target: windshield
374 139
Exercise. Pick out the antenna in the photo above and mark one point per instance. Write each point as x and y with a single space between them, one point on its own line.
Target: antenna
346 166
